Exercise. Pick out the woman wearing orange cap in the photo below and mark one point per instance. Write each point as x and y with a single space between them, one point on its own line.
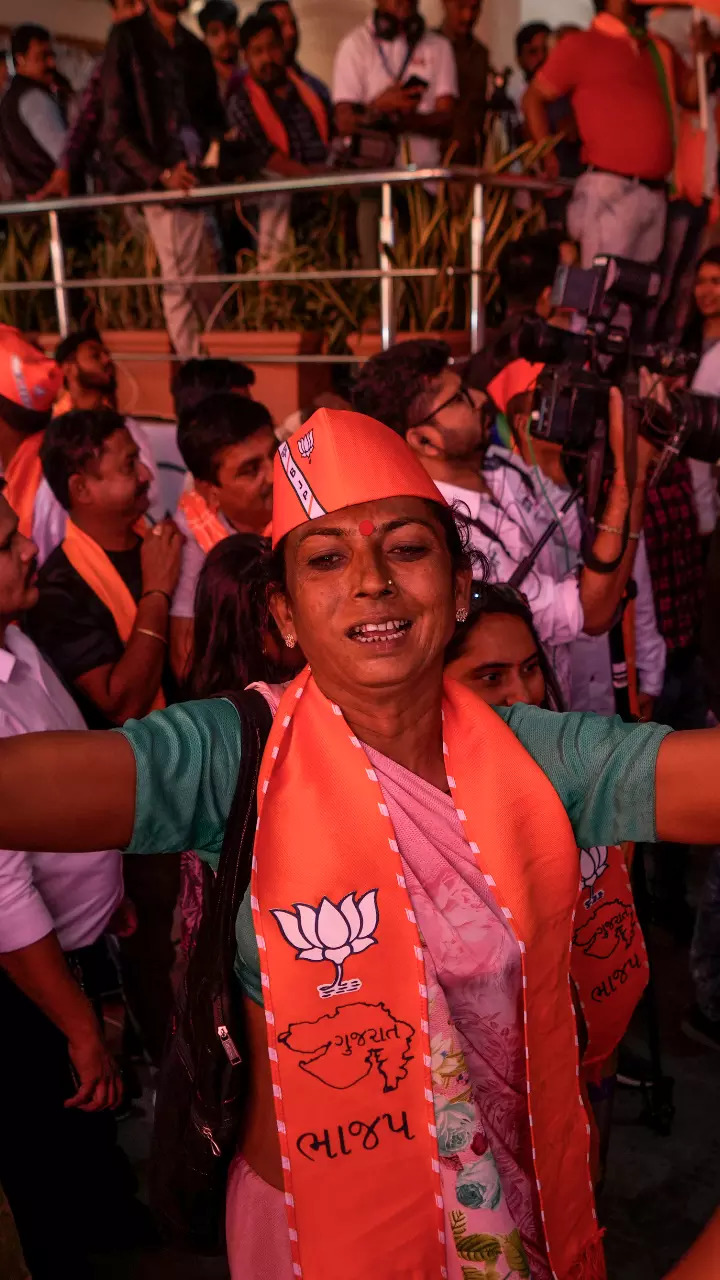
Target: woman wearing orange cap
404 943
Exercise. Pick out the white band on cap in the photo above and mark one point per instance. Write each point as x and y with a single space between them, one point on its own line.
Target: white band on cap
311 506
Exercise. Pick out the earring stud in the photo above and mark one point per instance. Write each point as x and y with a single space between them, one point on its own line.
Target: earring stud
290 641
461 615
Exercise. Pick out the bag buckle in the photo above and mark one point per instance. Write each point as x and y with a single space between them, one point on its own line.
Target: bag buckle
229 1045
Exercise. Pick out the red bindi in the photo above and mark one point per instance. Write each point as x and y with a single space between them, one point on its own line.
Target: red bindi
366 527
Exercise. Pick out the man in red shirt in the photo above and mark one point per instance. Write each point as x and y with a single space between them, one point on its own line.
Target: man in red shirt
623 88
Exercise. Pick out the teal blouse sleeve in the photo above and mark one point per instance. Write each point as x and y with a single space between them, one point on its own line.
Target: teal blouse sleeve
187 759
602 769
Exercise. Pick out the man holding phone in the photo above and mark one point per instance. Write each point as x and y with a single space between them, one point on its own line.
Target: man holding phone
393 76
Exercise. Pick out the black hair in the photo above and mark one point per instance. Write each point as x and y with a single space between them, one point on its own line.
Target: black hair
255 24
528 33
71 442
267 6
70 345
223 11
232 620
454 524
527 267
23 36
500 597
218 422
692 338
389 385
198 378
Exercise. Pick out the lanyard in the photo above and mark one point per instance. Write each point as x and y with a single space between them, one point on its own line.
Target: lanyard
406 63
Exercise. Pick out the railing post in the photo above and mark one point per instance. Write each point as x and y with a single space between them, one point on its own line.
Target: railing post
387 237
477 237
57 259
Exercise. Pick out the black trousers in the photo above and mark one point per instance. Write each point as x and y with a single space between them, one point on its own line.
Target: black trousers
64 1176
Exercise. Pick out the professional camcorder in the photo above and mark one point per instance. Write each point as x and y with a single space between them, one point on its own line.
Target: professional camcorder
571 400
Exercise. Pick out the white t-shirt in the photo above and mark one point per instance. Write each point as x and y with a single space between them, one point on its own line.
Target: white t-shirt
365 67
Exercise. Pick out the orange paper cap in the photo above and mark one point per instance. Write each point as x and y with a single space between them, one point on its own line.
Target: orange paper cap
28 377
340 459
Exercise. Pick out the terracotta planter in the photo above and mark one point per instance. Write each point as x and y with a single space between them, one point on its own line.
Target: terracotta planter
283 387
145 368
143 383
366 345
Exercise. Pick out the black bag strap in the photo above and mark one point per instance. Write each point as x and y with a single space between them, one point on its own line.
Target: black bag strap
211 965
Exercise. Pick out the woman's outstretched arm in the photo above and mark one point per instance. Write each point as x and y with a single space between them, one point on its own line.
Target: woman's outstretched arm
687 787
72 792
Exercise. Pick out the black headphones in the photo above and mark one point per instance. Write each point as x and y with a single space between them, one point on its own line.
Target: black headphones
388 27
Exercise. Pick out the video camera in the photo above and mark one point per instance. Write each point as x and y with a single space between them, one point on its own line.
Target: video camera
571 406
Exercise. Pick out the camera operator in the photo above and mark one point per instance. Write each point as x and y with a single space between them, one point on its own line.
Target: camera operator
414 389
533 477
623 88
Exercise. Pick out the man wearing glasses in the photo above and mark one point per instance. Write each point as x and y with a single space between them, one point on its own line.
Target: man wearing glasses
414 389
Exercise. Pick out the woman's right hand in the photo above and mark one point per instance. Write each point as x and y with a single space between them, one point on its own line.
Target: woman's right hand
161 556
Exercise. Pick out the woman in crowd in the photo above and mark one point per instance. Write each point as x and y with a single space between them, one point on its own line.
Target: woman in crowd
398 816
498 655
236 643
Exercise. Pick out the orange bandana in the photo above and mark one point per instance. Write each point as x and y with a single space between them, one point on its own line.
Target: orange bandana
269 120
348 1031
89 560
206 528
340 459
22 481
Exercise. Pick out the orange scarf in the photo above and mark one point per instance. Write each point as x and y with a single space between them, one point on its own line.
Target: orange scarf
22 481
348 1035
609 962
89 560
269 120
204 525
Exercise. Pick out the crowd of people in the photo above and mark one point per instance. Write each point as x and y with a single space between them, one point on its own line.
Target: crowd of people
411 694
165 110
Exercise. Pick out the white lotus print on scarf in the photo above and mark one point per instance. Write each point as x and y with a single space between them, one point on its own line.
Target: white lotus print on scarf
332 932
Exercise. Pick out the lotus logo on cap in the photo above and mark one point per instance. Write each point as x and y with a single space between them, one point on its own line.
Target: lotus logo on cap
306 444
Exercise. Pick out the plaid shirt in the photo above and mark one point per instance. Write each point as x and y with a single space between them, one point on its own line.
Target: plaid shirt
675 555
306 145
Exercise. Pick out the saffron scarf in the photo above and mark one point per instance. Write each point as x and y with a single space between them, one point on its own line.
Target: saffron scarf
96 569
609 961
269 120
22 481
206 528
348 1035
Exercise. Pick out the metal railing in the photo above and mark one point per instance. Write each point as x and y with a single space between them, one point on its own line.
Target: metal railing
384 179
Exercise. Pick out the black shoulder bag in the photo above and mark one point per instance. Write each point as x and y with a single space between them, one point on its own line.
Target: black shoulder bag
202 1085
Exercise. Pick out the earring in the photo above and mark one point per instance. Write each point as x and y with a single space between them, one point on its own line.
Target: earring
290 641
461 615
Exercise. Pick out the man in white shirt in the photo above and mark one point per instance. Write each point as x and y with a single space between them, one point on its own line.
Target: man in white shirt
536 497
392 74
414 389
66 1182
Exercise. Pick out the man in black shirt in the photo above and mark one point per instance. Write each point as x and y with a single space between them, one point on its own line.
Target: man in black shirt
102 619
161 112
